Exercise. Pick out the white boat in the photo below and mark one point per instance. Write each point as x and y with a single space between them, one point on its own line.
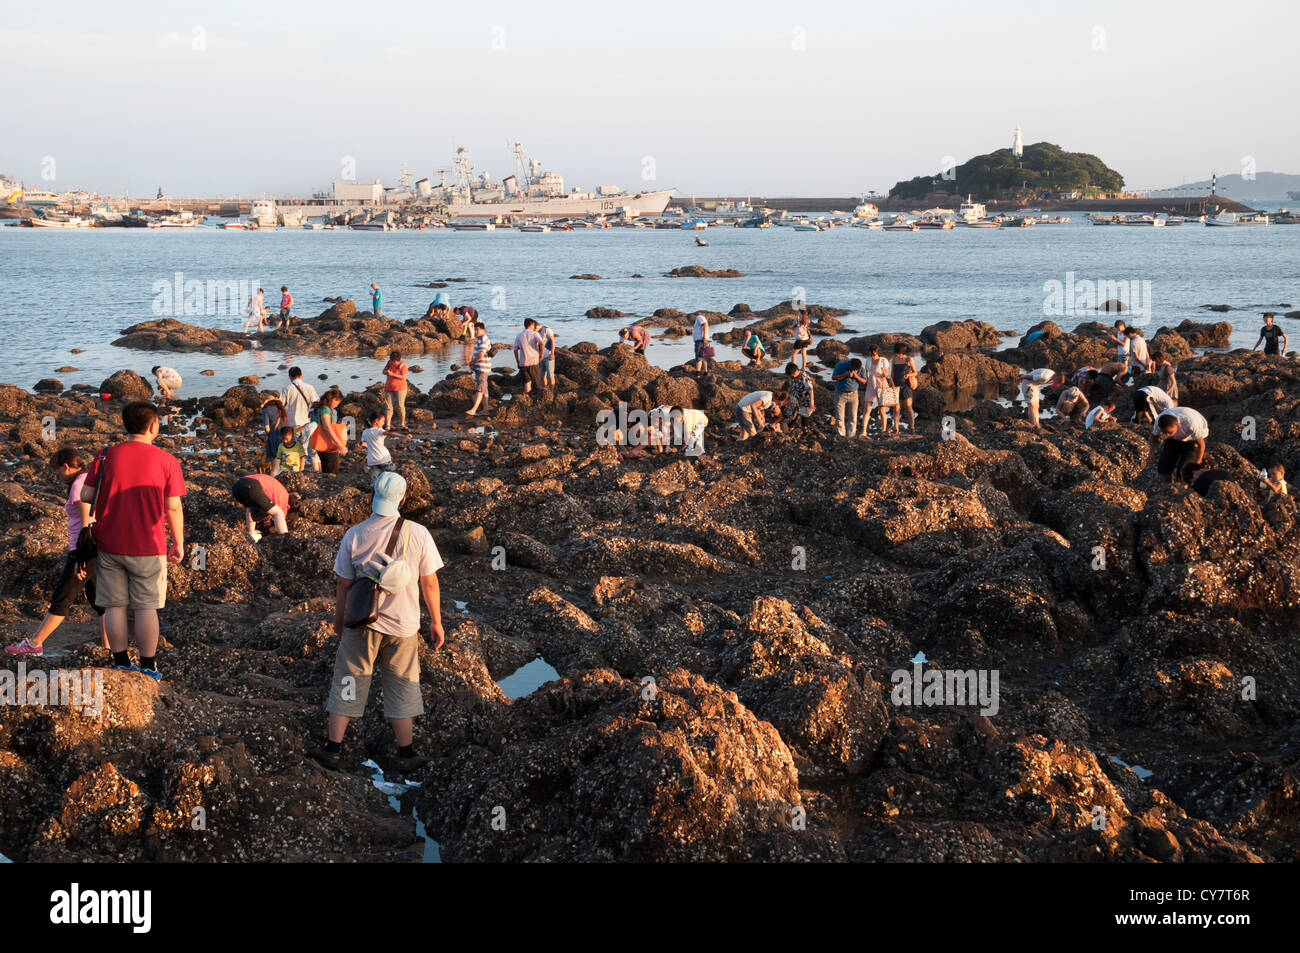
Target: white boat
313 225
983 223
264 213
1235 218
1150 221
935 221
473 226
70 221
875 223
534 228
971 211
185 219
902 226
866 210
291 217
808 227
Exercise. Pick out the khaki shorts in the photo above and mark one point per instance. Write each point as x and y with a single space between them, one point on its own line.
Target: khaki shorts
136 581
354 664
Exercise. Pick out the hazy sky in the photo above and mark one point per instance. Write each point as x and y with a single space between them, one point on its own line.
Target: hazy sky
808 98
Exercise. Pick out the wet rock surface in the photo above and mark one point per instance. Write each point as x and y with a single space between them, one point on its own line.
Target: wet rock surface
733 634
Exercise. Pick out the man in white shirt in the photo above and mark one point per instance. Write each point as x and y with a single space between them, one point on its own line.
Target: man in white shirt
528 355
1103 413
700 334
1149 403
1031 389
298 399
1139 360
1184 431
391 640
751 411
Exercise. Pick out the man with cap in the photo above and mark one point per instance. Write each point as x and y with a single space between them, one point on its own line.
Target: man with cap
392 639
1269 335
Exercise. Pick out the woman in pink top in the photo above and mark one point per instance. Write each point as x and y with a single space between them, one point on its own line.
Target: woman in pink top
70 468
395 391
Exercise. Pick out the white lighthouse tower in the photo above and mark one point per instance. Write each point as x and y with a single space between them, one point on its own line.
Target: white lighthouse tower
1018 147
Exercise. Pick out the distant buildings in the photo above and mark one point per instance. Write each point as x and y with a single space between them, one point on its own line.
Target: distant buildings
358 193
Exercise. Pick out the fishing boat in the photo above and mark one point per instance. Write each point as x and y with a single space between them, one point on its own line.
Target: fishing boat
50 220
1053 220
902 226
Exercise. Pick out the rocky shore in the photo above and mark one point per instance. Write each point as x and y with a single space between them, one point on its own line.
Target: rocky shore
729 628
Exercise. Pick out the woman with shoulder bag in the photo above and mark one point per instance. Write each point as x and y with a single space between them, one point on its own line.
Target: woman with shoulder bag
328 439
903 374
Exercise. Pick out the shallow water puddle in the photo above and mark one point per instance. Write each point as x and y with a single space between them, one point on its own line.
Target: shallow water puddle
460 606
5 860
398 800
528 678
1141 772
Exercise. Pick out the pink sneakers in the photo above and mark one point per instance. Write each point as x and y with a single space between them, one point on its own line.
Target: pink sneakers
25 647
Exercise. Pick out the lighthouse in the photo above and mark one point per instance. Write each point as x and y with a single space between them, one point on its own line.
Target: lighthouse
1017 146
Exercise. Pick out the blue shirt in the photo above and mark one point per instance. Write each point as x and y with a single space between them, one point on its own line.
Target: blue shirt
376 298
848 384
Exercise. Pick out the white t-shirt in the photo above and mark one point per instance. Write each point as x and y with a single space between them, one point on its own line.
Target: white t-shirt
693 419
1098 415
1121 351
701 327
548 341
376 453
1158 400
399 612
1191 425
1042 375
298 399
1138 350
756 397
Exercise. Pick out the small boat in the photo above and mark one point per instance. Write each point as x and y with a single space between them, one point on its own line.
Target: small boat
1053 220
874 224
935 221
901 226
807 227
186 219
474 226
61 221
371 226
1151 221
534 228
314 226
701 242
984 223
237 226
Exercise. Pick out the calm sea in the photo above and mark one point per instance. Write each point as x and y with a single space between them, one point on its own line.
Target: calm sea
79 288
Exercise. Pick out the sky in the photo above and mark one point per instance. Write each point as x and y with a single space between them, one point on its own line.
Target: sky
755 98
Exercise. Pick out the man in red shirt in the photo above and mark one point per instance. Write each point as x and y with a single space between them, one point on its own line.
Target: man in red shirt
262 497
140 488
395 390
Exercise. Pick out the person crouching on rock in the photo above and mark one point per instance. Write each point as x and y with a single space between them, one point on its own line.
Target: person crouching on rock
70 468
382 625
754 411
1149 403
1272 482
637 336
1103 413
264 498
1184 431
1031 390
168 380
1072 405
754 349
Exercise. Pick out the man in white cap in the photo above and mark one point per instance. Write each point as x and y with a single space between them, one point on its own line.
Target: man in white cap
400 557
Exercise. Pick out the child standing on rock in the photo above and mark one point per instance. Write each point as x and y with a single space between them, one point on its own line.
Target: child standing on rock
378 458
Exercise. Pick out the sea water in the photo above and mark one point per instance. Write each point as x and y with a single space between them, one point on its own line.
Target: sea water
77 288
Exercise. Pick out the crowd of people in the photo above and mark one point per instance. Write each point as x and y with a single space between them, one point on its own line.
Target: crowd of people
125 521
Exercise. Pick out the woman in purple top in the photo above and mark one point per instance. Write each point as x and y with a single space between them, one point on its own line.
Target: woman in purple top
70 468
